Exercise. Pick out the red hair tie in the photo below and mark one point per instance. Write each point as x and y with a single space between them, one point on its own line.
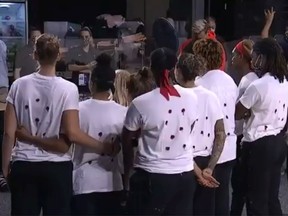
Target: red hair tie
240 48
165 88
211 35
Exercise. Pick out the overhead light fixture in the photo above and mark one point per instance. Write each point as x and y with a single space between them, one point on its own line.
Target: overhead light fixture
5 5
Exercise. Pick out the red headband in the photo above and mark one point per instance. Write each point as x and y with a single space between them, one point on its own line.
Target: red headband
240 48
211 35
165 88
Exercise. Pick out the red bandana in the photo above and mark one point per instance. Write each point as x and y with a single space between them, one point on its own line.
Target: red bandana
240 48
165 88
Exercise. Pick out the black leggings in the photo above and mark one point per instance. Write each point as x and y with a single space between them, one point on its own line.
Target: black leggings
204 197
222 193
36 185
107 203
262 161
238 193
161 194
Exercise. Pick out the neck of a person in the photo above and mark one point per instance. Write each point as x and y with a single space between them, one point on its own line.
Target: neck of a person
86 48
47 70
189 84
245 70
104 96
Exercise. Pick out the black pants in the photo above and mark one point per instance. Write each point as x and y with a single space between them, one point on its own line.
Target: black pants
108 203
238 193
262 161
222 194
204 198
41 185
161 194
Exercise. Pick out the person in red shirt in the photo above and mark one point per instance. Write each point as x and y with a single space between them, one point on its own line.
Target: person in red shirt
201 29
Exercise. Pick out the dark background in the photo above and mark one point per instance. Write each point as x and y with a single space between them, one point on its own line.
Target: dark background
240 18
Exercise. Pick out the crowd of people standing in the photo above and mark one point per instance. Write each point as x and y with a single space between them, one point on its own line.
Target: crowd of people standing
162 141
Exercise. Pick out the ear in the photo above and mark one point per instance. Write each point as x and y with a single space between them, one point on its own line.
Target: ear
58 57
35 56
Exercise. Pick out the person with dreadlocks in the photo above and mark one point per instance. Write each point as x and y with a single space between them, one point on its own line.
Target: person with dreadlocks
264 105
241 62
164 181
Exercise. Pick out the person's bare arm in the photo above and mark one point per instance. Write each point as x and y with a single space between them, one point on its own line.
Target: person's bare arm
71 126
128 154
17 73
218 143
82 68
269 15
55 144
73 134
74 67
241 112
10 126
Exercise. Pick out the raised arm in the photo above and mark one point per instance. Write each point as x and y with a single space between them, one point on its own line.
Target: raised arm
269 16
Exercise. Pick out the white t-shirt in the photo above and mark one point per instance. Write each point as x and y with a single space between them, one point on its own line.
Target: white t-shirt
210 113
267 99
243 85
226 90
165 144
39 102
104 121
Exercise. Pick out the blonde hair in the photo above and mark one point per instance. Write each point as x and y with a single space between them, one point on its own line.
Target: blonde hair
121 95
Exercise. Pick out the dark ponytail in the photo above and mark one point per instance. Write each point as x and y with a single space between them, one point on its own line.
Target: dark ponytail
161 60
103 75
140 83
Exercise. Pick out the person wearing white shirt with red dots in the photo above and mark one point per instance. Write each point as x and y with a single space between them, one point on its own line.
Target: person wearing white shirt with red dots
45 109
226 90
164 181
209 133
241 62
264 108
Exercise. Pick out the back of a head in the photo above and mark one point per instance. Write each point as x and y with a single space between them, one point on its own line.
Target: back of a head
211 50
162 59
140 83
275 60
47 49
103 75
121 92
191 66
245 48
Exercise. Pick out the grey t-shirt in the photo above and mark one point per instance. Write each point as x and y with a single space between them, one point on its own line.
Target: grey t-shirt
26 61
78 56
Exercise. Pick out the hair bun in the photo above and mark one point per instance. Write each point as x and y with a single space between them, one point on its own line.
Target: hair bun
144 72
104 60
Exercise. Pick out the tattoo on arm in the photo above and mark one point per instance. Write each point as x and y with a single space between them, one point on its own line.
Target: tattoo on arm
218 143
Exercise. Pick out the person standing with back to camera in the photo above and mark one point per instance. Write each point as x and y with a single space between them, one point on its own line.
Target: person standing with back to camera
241 62
209 133
97 180
226 90
264 106
164 181
46 115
